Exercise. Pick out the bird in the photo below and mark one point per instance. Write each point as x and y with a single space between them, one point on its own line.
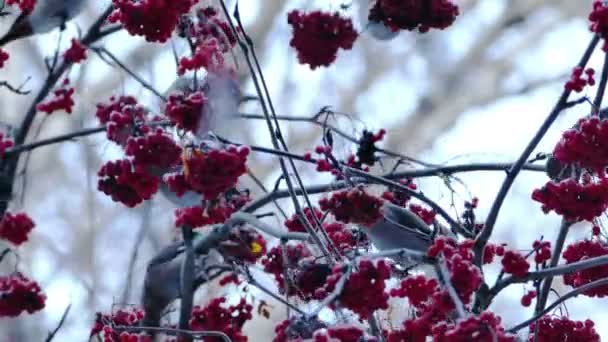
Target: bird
162 283
399 228
46 16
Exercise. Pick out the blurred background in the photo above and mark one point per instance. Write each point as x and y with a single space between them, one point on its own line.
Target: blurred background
475 92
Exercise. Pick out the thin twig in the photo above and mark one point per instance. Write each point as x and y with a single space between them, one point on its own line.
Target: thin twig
187 282
543 295
144 83
444 276
60 324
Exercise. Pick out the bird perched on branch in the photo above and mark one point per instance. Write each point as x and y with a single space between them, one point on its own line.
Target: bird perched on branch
162 283
46 16
399 228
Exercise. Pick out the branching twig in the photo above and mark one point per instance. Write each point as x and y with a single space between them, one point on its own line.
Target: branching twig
573 293
488 227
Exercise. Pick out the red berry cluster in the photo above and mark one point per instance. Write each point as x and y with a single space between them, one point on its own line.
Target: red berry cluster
418 289
209 212
76 53
551 328
364 291
464 275
341 236
582 250
214 171
126 318
526 300
275 264
586 145
399 197
412 14
573 200
207 54
26 6
427 215
62 100
4 144
154 153
126 184
542 251
483 328
294 224
116 104
353 205
18 294
186 110
210 25
243 244
596 230
577 83
341 333
15 227
153 19
213 37
599 21
515 264
3 57
310 277
214 317
317 36
490 251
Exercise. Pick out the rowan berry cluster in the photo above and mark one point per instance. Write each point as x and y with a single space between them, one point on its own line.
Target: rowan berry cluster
15 227
397 196
19 294
526 300
214 171
464 275
155 20
63 99
215 317
354 205
410 15
483 328
515 264
104 325
274 263
552 328
294 224
599 21
577 82
364 291
585 145
76 53
123 118
186 109
212 38
317 36
125 183
582 250
573 200
25 5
